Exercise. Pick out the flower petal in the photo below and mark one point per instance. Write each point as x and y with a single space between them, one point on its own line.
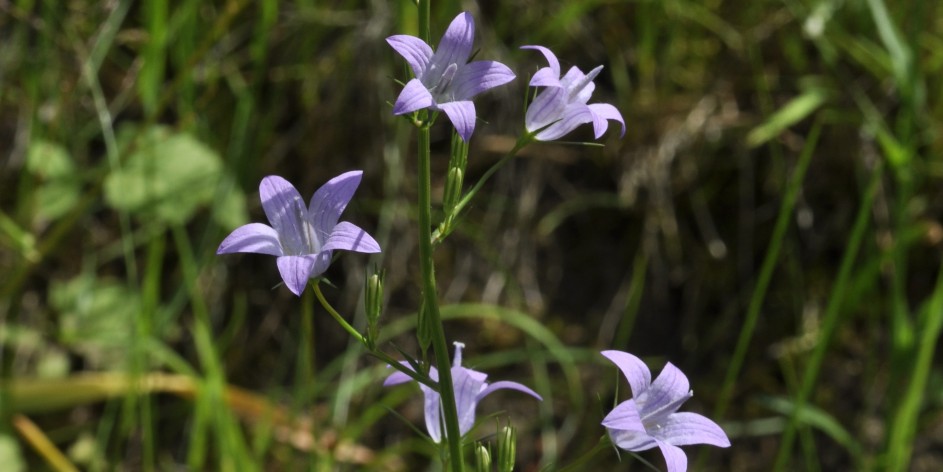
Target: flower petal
433 416
685 428
286 211
296 270
545 77
414 97
398 377
675 458
455 45
580 86
350 237
329 201
631 440
478 76
554 64
603 112
508 384
467 384
665 395
573 116
547 107
416 52
633 368
462 116
253 237
625 416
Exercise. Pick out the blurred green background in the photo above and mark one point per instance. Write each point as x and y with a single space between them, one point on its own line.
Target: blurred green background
771 223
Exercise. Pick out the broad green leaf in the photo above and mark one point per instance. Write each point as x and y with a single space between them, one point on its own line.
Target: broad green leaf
166 175
10 455
95 318
59 185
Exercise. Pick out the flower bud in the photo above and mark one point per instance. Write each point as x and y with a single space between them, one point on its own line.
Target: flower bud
507 448
373 304
482 458
453 189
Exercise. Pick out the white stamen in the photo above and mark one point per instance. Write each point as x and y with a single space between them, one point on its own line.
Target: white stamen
457 362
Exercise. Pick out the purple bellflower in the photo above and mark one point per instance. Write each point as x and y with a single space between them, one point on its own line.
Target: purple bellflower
470 387
445 80
651 419
302 238
561 106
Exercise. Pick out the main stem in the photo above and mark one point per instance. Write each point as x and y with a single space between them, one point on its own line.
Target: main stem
439 347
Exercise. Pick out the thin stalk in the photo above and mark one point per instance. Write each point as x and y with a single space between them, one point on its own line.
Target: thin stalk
766 272
417 376
522 142
337 317
831 320
430 297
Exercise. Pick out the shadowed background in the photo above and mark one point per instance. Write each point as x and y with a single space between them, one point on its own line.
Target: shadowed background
770 223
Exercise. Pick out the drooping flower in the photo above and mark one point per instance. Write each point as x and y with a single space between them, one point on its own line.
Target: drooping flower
651 419
302 238
445 80
470 387
561 106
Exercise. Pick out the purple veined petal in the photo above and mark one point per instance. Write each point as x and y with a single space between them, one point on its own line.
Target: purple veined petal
414 96
686 428
545 77
349 237
508 385
467 385
573 116
602 112
286 211
398 377
455 45
626 417
665 395
675 458
547 107
416 52
554 64
633 368
580 86
462 116
253 237
478 76
296 270
631 440
329 201
433 416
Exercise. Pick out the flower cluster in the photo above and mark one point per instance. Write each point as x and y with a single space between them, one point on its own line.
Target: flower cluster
303 238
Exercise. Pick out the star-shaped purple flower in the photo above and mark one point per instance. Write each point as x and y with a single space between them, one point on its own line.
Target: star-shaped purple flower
470 387
561 106
302 237
445 80
651 419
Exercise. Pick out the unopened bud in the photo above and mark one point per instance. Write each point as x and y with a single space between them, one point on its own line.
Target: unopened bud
482 459
507 448
373 304
453 189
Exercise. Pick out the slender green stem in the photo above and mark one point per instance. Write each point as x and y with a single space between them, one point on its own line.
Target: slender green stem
766 272
417 376
831 321
337 317
522 142
430 298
